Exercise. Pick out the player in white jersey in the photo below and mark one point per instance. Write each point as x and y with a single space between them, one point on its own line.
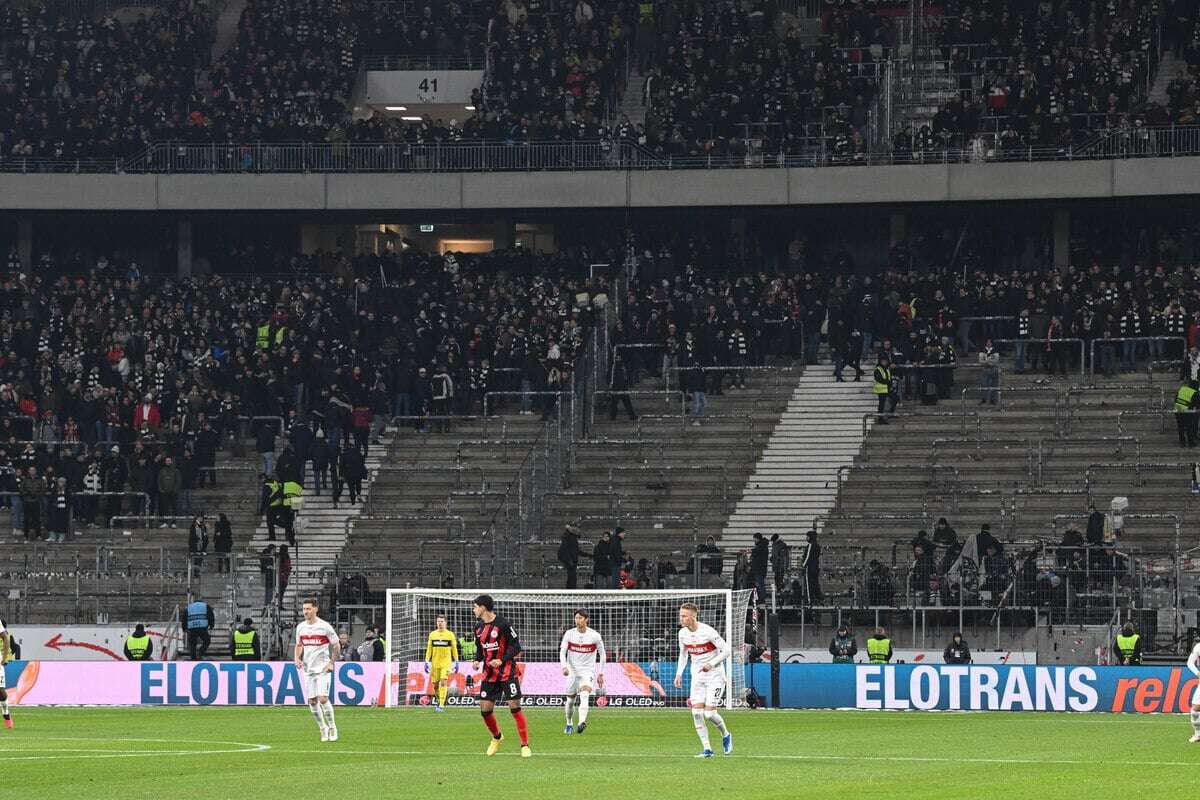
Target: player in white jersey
1193 664
5 655
317 650
581 647
708 652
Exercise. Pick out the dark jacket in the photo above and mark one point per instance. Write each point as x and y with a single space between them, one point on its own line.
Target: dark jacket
264 441
759 557
957 653
843 649
606 556
353 466
568 549
223 537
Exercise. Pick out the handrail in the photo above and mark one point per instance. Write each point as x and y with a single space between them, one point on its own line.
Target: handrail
869 418
1064 340
1092 365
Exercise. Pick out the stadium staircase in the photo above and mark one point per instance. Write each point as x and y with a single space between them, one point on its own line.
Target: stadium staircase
632 104
1168 66
320 538
795 480
442 508
669 482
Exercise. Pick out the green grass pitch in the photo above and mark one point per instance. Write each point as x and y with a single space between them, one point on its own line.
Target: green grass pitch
226 752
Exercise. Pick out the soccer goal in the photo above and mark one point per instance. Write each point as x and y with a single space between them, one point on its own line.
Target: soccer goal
640 631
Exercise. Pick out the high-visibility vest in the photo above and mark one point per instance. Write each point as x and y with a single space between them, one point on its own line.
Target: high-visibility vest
243 644
291 490
1183 398
466 648
646 12
276 499
877 650
138 645
263 337
7 637
1127 645
197 615
883 380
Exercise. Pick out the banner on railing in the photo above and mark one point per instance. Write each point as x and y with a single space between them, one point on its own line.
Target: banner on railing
950 687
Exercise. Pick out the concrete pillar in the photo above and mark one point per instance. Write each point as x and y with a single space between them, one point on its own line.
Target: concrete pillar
183 244
504 234
1062 238
898 228
25 242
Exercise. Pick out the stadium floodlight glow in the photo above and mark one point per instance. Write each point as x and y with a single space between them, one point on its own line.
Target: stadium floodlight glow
395 108
640 629
411 119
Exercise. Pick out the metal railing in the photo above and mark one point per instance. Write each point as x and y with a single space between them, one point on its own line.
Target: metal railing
409 63
489 156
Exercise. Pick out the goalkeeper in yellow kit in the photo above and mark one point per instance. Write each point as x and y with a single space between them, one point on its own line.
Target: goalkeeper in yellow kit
440 652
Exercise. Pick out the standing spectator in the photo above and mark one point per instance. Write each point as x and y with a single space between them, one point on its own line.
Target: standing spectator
989 358
116 476
337 482
812 568
58 517
781 560
708 558
605 563
353 471
264 445
33 490
442 386
957 652
361 421
199 621
207 440
289 467
320 462
842 646
198 542
267 563
620 390
170 482
759 558
1128 646
223 544
568 555
285 573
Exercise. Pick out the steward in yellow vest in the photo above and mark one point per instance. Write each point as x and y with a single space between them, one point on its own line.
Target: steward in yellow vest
138 646
879 647
245 642
1128 646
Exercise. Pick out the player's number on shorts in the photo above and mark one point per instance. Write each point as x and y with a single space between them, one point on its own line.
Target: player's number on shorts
720 696
513 688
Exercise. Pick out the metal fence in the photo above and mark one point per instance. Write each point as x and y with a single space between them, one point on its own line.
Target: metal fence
581 154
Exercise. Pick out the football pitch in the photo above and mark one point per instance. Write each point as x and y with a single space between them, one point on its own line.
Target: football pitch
275 752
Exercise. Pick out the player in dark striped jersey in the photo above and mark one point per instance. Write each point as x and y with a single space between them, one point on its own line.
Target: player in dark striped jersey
498 647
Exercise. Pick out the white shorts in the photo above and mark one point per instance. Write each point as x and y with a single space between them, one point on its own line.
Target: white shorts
708 689
316 685
1195 693
577 679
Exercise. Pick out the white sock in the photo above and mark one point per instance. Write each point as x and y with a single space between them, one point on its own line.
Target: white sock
715 719
1196 721
4 708
327 711
316 712
569 707
701 728
583 707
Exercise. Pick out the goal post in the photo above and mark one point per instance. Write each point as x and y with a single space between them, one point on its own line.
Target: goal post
639 627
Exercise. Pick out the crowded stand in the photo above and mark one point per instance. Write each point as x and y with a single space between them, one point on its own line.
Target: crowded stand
110 372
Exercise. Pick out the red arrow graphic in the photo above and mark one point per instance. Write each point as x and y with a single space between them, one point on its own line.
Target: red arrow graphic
56 643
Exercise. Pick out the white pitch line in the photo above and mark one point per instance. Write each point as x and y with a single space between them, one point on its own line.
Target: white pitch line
767 757
243 747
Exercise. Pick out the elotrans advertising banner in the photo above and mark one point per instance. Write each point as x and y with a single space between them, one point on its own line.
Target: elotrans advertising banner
907 687
947 687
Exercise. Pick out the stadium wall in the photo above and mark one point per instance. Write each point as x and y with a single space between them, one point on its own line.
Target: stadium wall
933 183
943 687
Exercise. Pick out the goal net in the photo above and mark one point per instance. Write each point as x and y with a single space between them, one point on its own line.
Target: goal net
640 631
